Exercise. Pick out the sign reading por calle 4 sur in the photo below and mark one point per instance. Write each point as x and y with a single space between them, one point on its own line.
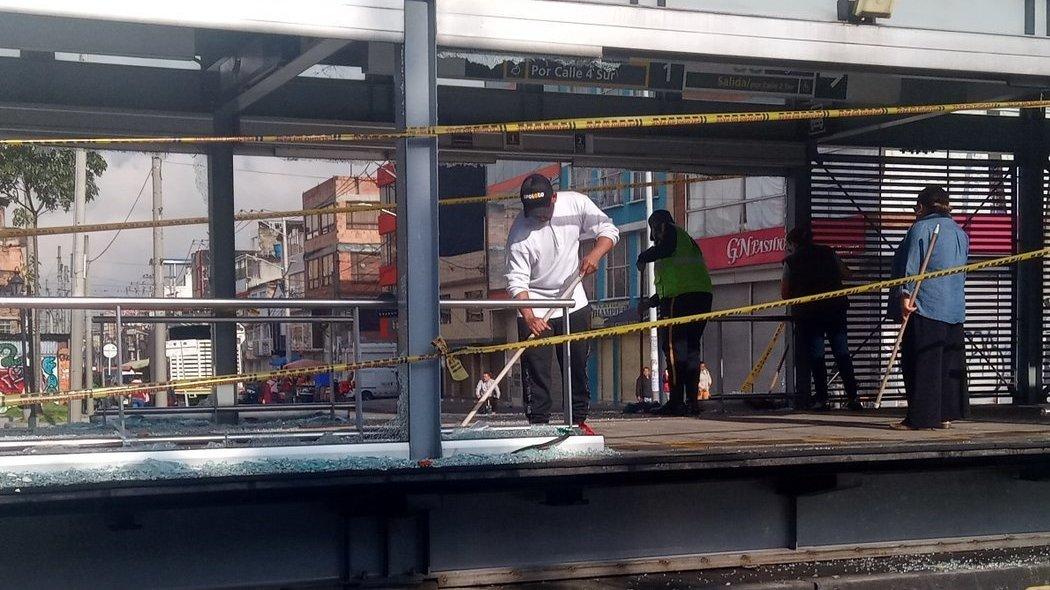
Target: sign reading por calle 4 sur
761 246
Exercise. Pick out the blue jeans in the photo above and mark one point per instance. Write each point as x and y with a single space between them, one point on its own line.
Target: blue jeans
812 332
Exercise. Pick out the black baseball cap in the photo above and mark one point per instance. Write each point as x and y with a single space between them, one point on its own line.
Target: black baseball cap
536 193
933 197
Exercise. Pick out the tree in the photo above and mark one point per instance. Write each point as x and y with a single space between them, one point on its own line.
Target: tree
38 181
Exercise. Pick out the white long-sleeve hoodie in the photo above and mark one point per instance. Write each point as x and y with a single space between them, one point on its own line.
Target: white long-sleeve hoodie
544 257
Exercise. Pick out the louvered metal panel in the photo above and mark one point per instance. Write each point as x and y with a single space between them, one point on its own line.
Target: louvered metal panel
1046 287
862 204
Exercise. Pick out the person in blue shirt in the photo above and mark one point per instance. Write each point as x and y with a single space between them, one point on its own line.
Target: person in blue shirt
933 350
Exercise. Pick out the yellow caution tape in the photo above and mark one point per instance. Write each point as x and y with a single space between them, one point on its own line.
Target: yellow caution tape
122 390
750 309
455 368
534 343
573 124
348 208
749 382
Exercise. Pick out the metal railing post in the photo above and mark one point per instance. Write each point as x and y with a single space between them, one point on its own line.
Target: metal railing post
331 373
120 363
359 407
566 368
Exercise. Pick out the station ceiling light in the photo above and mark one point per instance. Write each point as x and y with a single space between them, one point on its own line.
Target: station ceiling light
873 8
865 11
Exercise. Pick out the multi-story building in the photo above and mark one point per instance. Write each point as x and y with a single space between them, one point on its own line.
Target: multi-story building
12 262
342 249
201 271
262 272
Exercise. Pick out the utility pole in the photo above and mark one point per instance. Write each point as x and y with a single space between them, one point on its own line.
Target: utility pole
650 289
285 283
61 287
76 325
158 361
89 337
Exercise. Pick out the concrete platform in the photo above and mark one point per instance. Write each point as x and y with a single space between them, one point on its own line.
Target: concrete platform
672 495
804 431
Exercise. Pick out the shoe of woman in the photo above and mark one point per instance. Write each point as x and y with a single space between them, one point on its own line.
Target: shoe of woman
671 409
946 425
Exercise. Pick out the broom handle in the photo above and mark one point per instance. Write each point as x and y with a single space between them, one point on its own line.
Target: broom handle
517 355
904 322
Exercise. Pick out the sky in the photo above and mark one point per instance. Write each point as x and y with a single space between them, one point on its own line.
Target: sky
260 183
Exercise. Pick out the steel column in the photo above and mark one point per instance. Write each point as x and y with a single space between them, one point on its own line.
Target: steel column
222 246
417 227
799 212
1031 158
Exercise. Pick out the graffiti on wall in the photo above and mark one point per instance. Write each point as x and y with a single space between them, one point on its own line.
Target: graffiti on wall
12 378
54 367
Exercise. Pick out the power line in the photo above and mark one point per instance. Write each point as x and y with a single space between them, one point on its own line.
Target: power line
126 217
248 171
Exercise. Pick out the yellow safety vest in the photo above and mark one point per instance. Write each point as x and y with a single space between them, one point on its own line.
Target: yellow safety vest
684 271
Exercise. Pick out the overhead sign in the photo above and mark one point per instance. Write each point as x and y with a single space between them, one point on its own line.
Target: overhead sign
752 80
642 75
750 83
577 72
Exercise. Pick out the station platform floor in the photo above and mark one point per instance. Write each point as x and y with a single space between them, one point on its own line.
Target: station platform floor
717 434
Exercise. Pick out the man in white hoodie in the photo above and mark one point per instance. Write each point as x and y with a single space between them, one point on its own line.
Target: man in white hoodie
543 258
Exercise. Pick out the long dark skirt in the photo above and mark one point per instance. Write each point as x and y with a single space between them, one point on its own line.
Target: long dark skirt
934 366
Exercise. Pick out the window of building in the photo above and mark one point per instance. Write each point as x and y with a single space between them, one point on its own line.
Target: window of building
362 220
389 249
637 192
597 183
616 270
319 225
320 272
734 205
475 315
446 313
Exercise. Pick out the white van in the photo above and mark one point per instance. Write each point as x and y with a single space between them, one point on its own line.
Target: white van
380 382
377 383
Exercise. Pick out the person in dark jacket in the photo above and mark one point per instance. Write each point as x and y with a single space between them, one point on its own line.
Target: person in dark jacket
643 386
683 287
933 352
814 268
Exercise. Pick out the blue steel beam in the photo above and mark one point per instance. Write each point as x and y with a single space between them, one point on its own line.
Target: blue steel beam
417 229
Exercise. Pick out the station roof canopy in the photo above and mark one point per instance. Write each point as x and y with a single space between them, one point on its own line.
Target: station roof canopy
126 68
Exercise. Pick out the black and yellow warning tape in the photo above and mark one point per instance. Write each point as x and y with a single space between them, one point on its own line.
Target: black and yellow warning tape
550 125
548 341
12 232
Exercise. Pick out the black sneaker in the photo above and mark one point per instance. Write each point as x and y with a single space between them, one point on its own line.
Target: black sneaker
854 406
693 407
671 409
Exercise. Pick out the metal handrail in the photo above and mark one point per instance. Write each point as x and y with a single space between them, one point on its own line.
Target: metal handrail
120 305
163 304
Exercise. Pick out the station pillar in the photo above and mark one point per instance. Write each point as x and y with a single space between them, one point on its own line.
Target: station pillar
221 279
799 211
1027 293
417 228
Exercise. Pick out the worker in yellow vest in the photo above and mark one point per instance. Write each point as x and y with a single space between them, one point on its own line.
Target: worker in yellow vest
683 287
